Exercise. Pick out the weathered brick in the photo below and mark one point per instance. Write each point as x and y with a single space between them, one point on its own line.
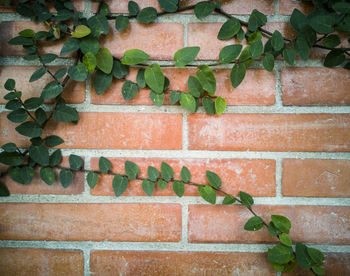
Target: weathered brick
254 176
224 224
316 177
37 186
270 132
257 88
38 261
91 222
74 92
110 131
286 7
315 86
159 40
178 263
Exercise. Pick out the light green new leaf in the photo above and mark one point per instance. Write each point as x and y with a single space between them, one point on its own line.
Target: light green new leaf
207 79
220 105
81 31
154 78
188 102
89 59
104 60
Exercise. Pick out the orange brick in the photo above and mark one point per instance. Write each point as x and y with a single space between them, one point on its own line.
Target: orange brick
257 88
129 263
91 222
254 176
316 177
224 224
37 261
110 131
37 186
159 40
270 132
286 7
315 86
74 92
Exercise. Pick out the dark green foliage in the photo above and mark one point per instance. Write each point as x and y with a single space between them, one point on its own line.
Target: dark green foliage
204 8
131 170
186 55
254 224
129 90
102 81
229 29
147 15
120 183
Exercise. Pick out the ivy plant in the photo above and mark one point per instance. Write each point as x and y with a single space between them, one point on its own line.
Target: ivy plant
325 27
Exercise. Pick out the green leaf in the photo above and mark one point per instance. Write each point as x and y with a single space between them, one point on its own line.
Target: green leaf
13 105
9 147
30 129
18 116
89 60
148 187
152 173
39 154
154 78
3 190
60 73
167 172
22 175
147 15
213 179
53 141
207 79
342 7
119 184
229 29
334 58
104 164
273 230
78 72
302 47
331 41
121 22
27 33
246 199
298 20
256 20
268 62
101 82
237 74
220 105
66 177
131 170
302 256
185 174
51 90
194 86
11 158
134 56
70 46
38 74
256 49
188 102
89 44
75 162
277 41
162 184
157 99
280 254
119 70
204 8
133 8
254 224
92 179
285 239
228 200
20 40
81 31
318 270
322 23
254 37
185 55
40 115
10 84
282 223
129 90
140 78
289 55
207 193
316 255
65 113
55 158
229 53
208 105
48 58
47 175
104 60
169 5
33 103
98 25
179 188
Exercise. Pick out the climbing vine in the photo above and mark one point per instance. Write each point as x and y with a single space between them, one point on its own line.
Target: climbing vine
325 27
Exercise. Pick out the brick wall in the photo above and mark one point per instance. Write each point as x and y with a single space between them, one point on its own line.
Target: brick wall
285 138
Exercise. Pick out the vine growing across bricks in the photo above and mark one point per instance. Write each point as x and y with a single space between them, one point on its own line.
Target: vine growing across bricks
326 27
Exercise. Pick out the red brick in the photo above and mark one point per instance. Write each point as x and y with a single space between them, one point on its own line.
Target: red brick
91 222
159 40
178 263
110 131
254 176
224 224
37 186
74 92
257 88
316 177
335 264
37 261
270 132
315 86
286 7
